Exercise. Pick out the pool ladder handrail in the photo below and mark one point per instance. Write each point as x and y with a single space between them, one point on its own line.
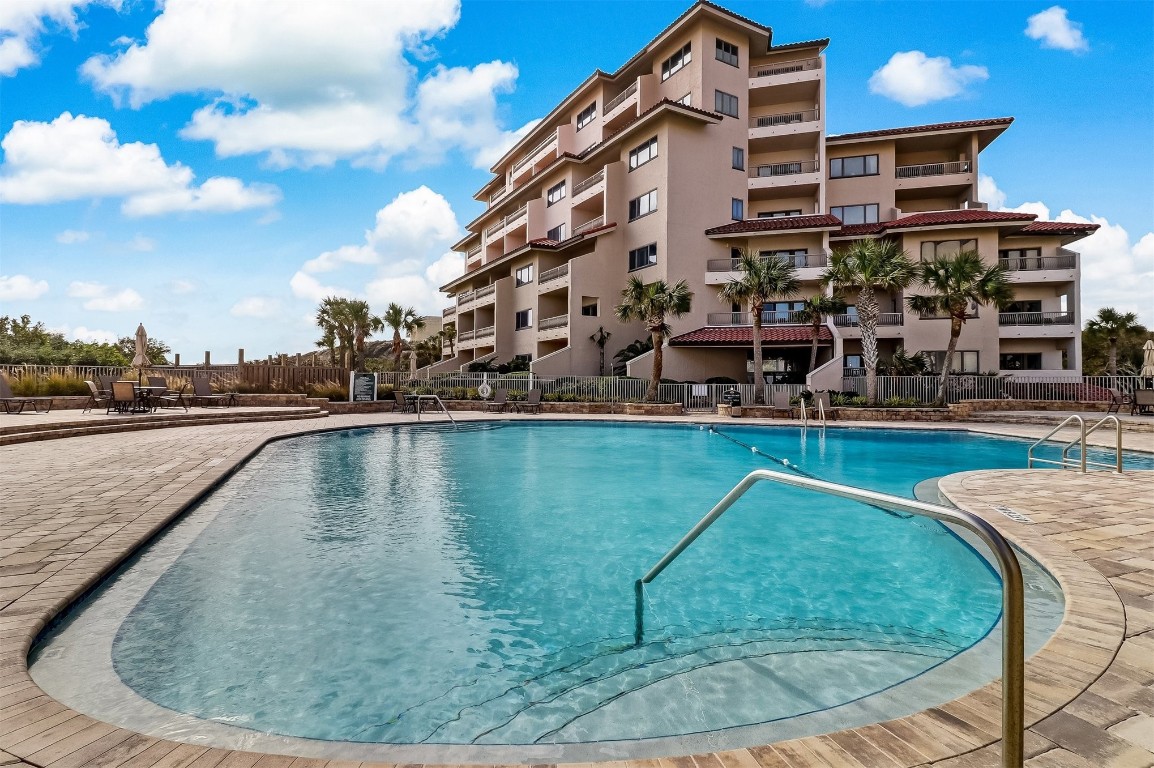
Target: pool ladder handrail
435 398
1013 629
819 407
1083 432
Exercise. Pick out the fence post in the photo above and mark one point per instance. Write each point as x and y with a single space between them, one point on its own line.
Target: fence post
176 360
207 358
240 356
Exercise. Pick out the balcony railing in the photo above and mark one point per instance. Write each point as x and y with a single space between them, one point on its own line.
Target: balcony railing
885 318
465 298
465 336
512 217
493 228
932 169
584 185
560 321
620 98
591 224
783 118
1067 260
553 274
533 152
481 293
448 311
792 317
783 169
485 332
1036 318
499 194
474 254
784 67
799 260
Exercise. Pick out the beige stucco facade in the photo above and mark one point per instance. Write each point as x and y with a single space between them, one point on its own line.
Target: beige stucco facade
711 139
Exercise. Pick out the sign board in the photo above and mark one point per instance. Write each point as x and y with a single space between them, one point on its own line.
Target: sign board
362 387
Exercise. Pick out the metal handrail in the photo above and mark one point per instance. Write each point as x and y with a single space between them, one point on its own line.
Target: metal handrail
1013 631
1082 462
790 168
619 99
785 67
783 118
933 169
421 398
589 182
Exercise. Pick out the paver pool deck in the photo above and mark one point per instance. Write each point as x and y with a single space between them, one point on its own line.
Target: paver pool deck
72 509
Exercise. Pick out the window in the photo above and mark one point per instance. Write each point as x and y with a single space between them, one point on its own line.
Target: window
853 361
585 116
526 358
1020 361
965 361
643 154
737 209
524 275
725 103
778 214
524 319
555 194
687 99
739 158
796 257
556 233
726 52
847 167
675 62
1022 258
589 307
942 248
642 257
856 214
1024 306
643 206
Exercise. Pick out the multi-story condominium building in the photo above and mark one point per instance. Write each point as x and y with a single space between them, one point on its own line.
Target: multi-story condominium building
712 139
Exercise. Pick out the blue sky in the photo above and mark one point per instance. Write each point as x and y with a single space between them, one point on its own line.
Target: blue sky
213 168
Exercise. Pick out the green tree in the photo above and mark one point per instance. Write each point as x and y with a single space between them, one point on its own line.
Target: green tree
599 339
869 267
955 283
448 335
401 319
25 341
1111 325
816 309
337 335
363 324
156 351
651 304
763 278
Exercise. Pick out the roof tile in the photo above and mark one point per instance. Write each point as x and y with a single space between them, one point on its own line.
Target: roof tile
729 335
1057 228
987 123
777 223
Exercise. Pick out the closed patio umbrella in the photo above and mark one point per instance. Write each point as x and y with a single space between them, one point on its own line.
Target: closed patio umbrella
140 361
1147 359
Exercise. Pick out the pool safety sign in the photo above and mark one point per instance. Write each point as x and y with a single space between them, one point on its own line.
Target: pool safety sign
362 387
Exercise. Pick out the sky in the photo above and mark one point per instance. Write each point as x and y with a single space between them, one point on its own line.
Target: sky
214 168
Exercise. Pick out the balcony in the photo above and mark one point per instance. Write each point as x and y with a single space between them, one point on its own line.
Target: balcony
1064 260
792 168
537 156
621 108
948 178
807 264
588 184
782 124
493 198
784 81
486 295
465 336
548 323
487 332
793 178
449 311
932 169
493 231
591 224
884 319
728 319
464 298
553 279
516 217
1036 318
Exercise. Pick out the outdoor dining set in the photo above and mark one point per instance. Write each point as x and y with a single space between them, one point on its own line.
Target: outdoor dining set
129 397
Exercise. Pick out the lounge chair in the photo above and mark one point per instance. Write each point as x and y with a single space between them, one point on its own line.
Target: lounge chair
400 399
106 383
1141 401
781 403
123 398
202 393
499 402
532 402
10 401
1118 398
96 397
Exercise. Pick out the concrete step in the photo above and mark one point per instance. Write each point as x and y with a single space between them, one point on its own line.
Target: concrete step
34 433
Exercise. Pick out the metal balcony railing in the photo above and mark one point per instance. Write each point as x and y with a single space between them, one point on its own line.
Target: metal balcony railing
464 298
791 317
932 169
589 182
533 152
783 169
783 118
591 224
499 194
560 321
885 318
553 274
517 214
474 253
481 293
1035 318
485 332
1067 260
490 230
620 98
784 67
799 260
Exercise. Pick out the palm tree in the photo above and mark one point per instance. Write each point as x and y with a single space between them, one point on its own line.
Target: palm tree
956 283
401 319
1112 324
599 339
448 336
650 304
337 333
363 324
763 279
815 310
869 266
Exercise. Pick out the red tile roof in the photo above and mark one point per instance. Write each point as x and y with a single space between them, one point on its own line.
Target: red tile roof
1057 228
821 42
732 335
961 124
778 223
936 219
857 230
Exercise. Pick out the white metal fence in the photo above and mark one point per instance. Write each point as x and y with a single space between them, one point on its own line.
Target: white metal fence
924 389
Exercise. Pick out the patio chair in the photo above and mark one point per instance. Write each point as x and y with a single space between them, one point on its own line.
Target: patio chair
826 408
123 399
499 402
106 383
202 393
1141 401
780 402
10 401
402 400
96 397
173 398
532 402
1118 398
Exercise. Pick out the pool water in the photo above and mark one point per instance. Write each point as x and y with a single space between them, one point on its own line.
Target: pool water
427 586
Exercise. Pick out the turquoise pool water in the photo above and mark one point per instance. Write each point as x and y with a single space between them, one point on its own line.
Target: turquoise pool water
427 586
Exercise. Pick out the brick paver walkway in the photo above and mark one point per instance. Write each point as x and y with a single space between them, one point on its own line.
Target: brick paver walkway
72 509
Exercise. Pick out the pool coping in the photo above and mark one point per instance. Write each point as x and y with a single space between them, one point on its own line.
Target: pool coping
1085 644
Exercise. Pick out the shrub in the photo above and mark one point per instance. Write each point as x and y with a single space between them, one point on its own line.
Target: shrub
901 402
54 385
330 390
720 380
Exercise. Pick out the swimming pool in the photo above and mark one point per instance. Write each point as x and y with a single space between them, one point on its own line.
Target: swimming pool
420 586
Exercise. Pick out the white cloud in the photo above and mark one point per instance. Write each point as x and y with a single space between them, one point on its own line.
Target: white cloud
141 244
255 306
21 288
1116 272
80 333
80 157
408 250
182 287
329 81
912 78
22 22
72 236
101 298
1055 30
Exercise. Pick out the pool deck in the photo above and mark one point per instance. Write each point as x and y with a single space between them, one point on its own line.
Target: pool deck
71 509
